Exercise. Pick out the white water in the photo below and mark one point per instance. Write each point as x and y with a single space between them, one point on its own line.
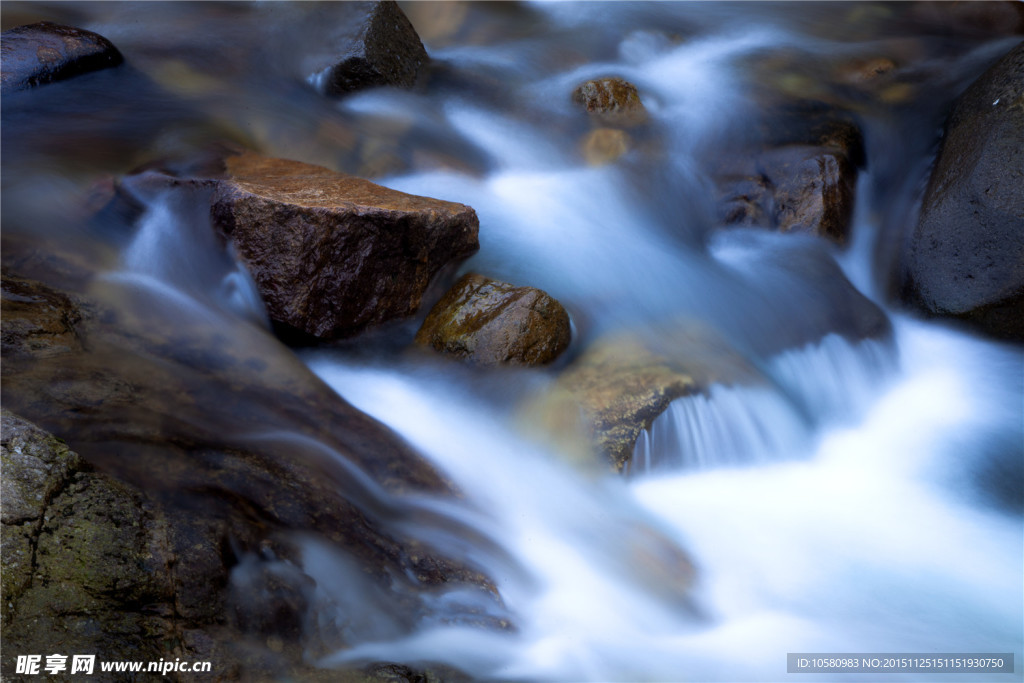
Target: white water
849 504
859 542
840 507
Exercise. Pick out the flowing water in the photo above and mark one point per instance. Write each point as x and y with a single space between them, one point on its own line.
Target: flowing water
866 496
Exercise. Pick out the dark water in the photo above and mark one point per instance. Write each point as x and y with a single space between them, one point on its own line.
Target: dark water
854 503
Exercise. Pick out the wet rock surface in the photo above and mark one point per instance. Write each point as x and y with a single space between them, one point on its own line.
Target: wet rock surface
612 101
495 323
379 47
81 554
216 490
623 381
334 254
805 184
965 257
45 52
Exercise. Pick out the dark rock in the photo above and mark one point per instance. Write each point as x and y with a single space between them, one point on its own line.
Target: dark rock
984 18
81 556
380 47
38 321
612 101
46 52
965 258
237 447
333 254
495 323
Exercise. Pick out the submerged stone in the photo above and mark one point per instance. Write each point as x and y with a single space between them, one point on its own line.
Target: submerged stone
495 323
623 382
45 52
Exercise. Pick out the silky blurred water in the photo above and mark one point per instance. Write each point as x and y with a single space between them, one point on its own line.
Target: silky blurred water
864 495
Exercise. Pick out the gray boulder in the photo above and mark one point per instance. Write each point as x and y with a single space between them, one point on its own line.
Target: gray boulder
965 257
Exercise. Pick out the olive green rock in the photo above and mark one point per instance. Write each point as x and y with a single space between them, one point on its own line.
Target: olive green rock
495 323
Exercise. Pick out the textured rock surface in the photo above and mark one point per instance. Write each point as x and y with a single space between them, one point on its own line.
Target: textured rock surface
379 46
965 258
813 191
239 451
613 101
621 383
81 553
333 254
494 323
792 188
44 52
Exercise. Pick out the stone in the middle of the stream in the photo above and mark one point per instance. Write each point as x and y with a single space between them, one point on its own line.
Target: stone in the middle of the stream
333 254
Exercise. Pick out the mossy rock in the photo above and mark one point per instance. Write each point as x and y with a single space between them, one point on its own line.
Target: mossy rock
496 323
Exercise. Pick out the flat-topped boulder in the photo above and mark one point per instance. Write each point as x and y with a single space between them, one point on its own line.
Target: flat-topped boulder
333 254
45 52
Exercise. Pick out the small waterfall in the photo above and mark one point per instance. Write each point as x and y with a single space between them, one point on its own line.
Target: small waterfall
826 382
728 426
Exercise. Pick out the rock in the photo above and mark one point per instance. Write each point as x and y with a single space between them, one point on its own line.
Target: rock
45 52
865 72
983 19
496 323
965 257
333 254
612 101
379 48
38 321
622 382
813 191
81 554
605 145
795 188
802 180
239 451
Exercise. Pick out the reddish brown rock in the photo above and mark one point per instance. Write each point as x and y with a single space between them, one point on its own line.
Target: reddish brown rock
814 190
791 188
378 46
612 101
333 254
495 323
44 52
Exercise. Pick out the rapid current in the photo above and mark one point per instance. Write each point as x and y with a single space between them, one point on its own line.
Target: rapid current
865 498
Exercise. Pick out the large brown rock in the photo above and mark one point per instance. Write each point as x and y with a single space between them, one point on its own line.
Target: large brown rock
965 257
378 46
44 52
495 323
333 254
